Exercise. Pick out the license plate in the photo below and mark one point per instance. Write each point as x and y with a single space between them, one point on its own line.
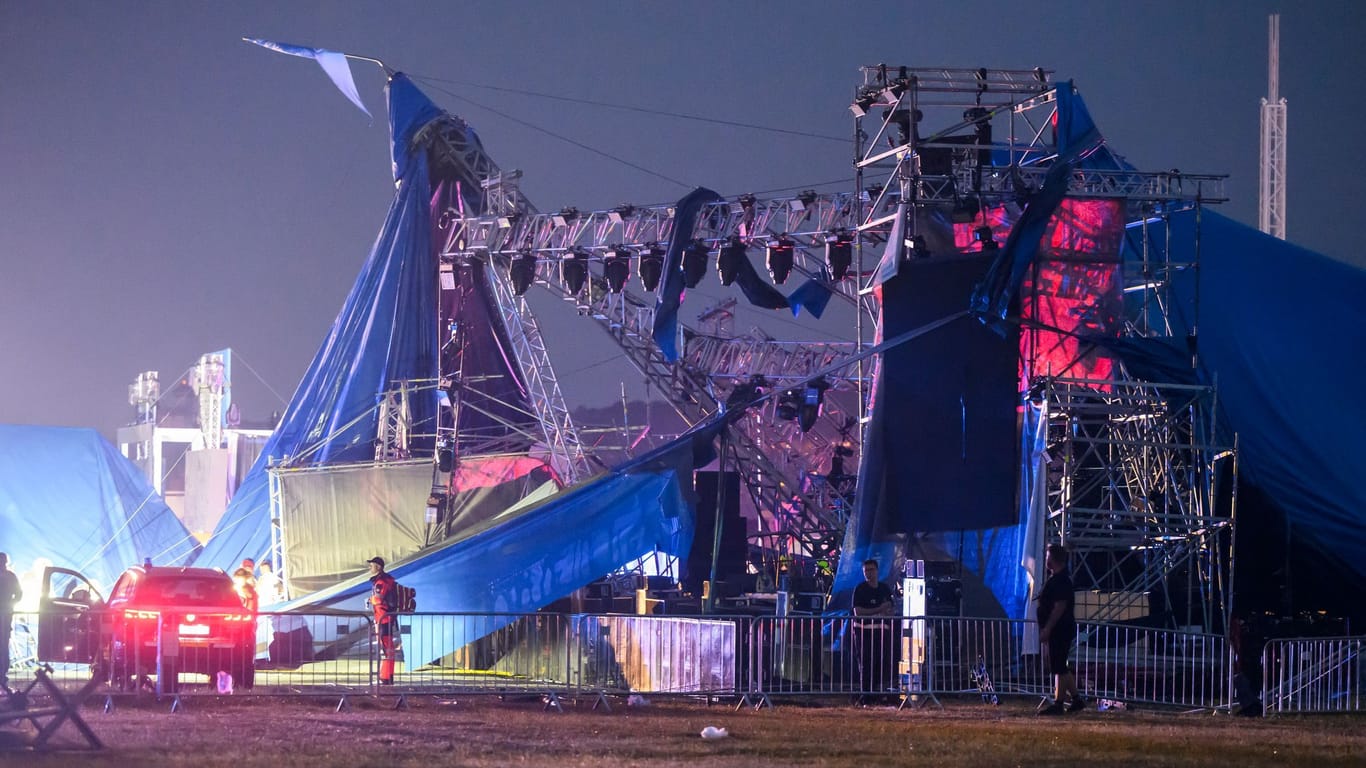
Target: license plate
194 630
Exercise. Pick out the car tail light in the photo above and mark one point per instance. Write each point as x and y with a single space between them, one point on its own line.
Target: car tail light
238 617
128 613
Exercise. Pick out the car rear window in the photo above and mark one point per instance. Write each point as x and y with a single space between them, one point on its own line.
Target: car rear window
187 590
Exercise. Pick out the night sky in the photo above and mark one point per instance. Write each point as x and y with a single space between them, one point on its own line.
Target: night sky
168 190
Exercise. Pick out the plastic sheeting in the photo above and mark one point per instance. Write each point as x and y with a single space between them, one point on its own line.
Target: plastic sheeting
69 496
333 519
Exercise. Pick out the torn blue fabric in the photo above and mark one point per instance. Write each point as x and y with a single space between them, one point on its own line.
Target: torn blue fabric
334 64
665 330
812 295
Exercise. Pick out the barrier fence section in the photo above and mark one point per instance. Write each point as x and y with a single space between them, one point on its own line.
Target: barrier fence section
877 658
1125 663
884 657
1321 674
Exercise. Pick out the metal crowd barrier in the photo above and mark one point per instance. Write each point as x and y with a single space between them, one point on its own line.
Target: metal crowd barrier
1321 674
1152 666
879 659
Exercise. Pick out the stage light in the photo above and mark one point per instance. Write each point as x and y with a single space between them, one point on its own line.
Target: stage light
522 272
983 235
780 254
789 403
565 217
1040 76
839 254
445 455
728 260
574 271
863 102
508 221
651 266
621 213
917 248
803 200
746 392
811 400
694 263
616 268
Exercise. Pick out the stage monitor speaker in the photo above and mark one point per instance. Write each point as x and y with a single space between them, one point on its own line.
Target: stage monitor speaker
730 563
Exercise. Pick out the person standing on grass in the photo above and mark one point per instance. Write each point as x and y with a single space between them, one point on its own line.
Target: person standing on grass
10 595
1057 630
383 601
873 646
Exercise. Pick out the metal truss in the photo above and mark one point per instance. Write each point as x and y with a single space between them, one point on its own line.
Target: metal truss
774 486
739 358
1131 486
456 155
561 439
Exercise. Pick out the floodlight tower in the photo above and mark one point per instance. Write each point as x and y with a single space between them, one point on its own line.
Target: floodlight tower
1271 186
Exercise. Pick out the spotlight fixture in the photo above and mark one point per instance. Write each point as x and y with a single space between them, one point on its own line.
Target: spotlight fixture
780 254
729 258
565 217
650 265
509 220
445 455
694 263
839 254
811 400
863 102
1041 77
789 403
574 271
917 248
522 271
746 392
616 268
984 236
803 200
621 213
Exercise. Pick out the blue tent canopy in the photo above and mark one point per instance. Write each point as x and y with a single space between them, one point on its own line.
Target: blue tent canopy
70 497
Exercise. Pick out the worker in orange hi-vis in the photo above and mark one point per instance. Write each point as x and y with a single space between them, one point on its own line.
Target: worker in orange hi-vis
383 601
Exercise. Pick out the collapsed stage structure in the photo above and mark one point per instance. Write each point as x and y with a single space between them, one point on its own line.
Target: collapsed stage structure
1049 379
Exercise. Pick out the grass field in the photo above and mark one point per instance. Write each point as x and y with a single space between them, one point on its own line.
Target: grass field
488 731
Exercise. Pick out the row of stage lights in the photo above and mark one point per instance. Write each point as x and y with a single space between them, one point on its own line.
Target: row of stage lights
616 263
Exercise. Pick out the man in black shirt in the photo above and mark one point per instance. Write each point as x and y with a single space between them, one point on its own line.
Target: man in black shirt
874 640
1057 630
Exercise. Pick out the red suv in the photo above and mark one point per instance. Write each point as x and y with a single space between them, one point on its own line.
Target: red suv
190 618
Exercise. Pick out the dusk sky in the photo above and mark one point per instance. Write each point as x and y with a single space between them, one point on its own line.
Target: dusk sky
168 190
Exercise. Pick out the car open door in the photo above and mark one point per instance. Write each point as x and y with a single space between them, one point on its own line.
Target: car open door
68 617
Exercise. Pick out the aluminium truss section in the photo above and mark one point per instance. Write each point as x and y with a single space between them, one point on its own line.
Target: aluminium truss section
809 219
628 320
457 155
1132 471
561 439
963 160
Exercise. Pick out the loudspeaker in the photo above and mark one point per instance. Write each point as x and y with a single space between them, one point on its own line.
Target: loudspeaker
730 562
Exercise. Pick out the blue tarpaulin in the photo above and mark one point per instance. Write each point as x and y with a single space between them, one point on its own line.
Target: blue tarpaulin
1280 334
69 496
385 334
